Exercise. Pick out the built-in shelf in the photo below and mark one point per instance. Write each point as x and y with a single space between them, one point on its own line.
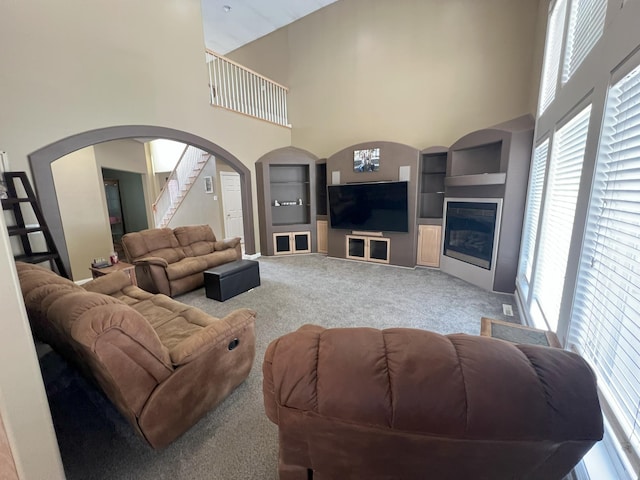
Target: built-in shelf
475 180
433 166
286 175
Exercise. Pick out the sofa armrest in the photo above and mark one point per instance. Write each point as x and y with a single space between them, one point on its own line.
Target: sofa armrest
268 387
226 243
108 284
161 262
306 335
221 331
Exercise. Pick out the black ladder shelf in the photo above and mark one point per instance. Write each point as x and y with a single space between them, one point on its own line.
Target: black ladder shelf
14 203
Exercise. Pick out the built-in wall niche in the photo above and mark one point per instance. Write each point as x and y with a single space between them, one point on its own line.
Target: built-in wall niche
398 163
477 160
483 157
433 167
289 194
286 184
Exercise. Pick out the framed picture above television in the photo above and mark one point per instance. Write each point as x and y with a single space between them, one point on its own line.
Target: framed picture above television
367 160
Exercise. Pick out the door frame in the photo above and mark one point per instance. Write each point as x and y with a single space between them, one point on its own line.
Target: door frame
224 204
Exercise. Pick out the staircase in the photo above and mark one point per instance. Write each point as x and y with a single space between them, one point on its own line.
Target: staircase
15 202
182 178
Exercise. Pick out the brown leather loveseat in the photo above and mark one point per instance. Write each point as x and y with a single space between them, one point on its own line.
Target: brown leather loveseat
354 403
172 261
163 364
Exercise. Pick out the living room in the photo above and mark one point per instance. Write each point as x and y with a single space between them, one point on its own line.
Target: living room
110 65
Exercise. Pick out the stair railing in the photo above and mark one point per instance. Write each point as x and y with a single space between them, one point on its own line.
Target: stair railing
178 184
242 90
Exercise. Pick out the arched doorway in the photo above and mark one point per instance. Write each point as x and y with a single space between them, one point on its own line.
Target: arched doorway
41 161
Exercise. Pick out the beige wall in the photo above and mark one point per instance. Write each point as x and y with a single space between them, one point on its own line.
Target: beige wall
126 155
83 210
23 404
420 73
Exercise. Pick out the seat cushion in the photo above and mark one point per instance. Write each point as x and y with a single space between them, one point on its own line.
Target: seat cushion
185 267
173 321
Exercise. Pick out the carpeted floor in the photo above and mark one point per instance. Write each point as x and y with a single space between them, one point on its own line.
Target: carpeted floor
237 441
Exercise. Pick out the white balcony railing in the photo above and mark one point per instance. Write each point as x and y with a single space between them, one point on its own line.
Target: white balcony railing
237 88
178 184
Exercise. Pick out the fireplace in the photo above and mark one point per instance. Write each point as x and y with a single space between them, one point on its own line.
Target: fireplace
470 243
470 231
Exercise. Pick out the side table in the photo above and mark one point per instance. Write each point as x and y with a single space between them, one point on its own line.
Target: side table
516 333
127 268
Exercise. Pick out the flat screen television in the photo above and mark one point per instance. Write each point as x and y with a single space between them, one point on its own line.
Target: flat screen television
375 206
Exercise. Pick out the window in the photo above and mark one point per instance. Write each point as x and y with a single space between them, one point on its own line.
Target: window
565 169
605 321
534 198
553 51
586 23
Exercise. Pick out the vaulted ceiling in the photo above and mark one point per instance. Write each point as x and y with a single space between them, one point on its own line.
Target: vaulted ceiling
229 24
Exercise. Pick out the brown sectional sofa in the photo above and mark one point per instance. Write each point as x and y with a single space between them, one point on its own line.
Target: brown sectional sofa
163 364
172 261
354 403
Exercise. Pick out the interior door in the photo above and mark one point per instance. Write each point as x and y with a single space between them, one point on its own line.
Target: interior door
232 205
114 207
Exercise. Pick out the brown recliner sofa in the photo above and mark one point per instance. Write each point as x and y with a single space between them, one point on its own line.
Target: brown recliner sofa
172 261
163 364
354 403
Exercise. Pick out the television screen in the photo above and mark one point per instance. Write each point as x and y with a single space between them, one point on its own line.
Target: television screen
380 206
366 160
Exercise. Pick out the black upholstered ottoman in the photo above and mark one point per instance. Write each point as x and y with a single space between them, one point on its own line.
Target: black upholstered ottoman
228 280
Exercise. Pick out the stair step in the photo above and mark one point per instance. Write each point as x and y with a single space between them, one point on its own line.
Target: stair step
19 228
38 257
16 230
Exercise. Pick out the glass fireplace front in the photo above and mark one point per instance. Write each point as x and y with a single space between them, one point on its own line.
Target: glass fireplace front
470 231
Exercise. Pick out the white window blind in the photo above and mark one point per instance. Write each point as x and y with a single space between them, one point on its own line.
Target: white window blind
586 23
565 169
553 50
532 214
605 322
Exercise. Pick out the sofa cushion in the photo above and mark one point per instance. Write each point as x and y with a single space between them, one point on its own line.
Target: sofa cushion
185 267
198 248
155 242
173 321
171 255
108 284
195 239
